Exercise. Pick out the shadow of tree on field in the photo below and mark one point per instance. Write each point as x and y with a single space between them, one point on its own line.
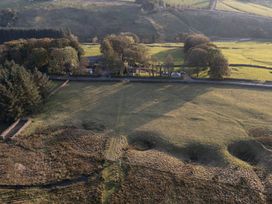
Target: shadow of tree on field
176 53
134 105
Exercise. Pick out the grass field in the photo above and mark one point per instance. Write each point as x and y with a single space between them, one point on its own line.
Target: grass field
84 4
245 7
189 3
257 53
119 142
181 114
251 53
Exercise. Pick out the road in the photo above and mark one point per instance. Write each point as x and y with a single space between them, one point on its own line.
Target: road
157 80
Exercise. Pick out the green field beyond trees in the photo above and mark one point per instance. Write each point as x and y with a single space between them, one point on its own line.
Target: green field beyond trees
250 53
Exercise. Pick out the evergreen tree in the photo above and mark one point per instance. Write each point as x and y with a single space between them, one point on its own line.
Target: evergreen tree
20 91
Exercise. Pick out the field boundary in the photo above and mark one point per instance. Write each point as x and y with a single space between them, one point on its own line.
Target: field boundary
16 128
58 88
237 82
250 66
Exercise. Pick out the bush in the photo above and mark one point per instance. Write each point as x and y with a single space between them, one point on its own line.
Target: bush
21 92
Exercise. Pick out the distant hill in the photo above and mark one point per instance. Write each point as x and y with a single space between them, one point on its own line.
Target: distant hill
92 18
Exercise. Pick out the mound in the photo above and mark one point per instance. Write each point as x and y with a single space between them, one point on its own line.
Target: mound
73 165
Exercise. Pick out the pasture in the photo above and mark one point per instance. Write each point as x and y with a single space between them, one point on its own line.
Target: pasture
179 114
244 7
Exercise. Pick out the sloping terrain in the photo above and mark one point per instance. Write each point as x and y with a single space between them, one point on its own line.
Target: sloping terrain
244 7
143 143
89 19
163 25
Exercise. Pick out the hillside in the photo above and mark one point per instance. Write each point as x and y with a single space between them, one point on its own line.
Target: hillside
142 143
250 7
89 19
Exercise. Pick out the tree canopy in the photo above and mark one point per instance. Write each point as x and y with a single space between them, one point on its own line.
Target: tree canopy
121 51
202 54
21 91
47 55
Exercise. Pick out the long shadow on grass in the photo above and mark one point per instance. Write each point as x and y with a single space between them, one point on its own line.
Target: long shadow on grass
176 53
131 106
121 107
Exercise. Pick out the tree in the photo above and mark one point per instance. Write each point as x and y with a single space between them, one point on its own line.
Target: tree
39 58
194 40
63 60
42 53
19 94
169 64
121 51
219 66
198 58
42 82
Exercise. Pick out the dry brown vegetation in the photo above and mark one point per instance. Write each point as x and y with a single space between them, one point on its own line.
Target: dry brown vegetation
68 165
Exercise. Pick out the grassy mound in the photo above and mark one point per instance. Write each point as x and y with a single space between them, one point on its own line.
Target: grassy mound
74 168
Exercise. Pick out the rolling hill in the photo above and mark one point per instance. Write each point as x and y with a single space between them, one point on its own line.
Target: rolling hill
91 18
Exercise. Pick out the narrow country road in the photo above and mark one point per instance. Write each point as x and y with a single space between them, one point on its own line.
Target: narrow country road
156 80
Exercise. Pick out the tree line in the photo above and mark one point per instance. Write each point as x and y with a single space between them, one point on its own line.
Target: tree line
52 56
8 34
24 63
122 52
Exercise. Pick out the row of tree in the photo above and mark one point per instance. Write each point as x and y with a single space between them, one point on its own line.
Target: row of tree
123 51
203 55
8 34
53 56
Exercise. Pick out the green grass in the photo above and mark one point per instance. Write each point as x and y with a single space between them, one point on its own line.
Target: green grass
245 7
257 53
252 53
181 114
161 51
91 49
189 3
251 74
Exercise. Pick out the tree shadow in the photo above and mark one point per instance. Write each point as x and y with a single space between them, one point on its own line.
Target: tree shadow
131 106
176 53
